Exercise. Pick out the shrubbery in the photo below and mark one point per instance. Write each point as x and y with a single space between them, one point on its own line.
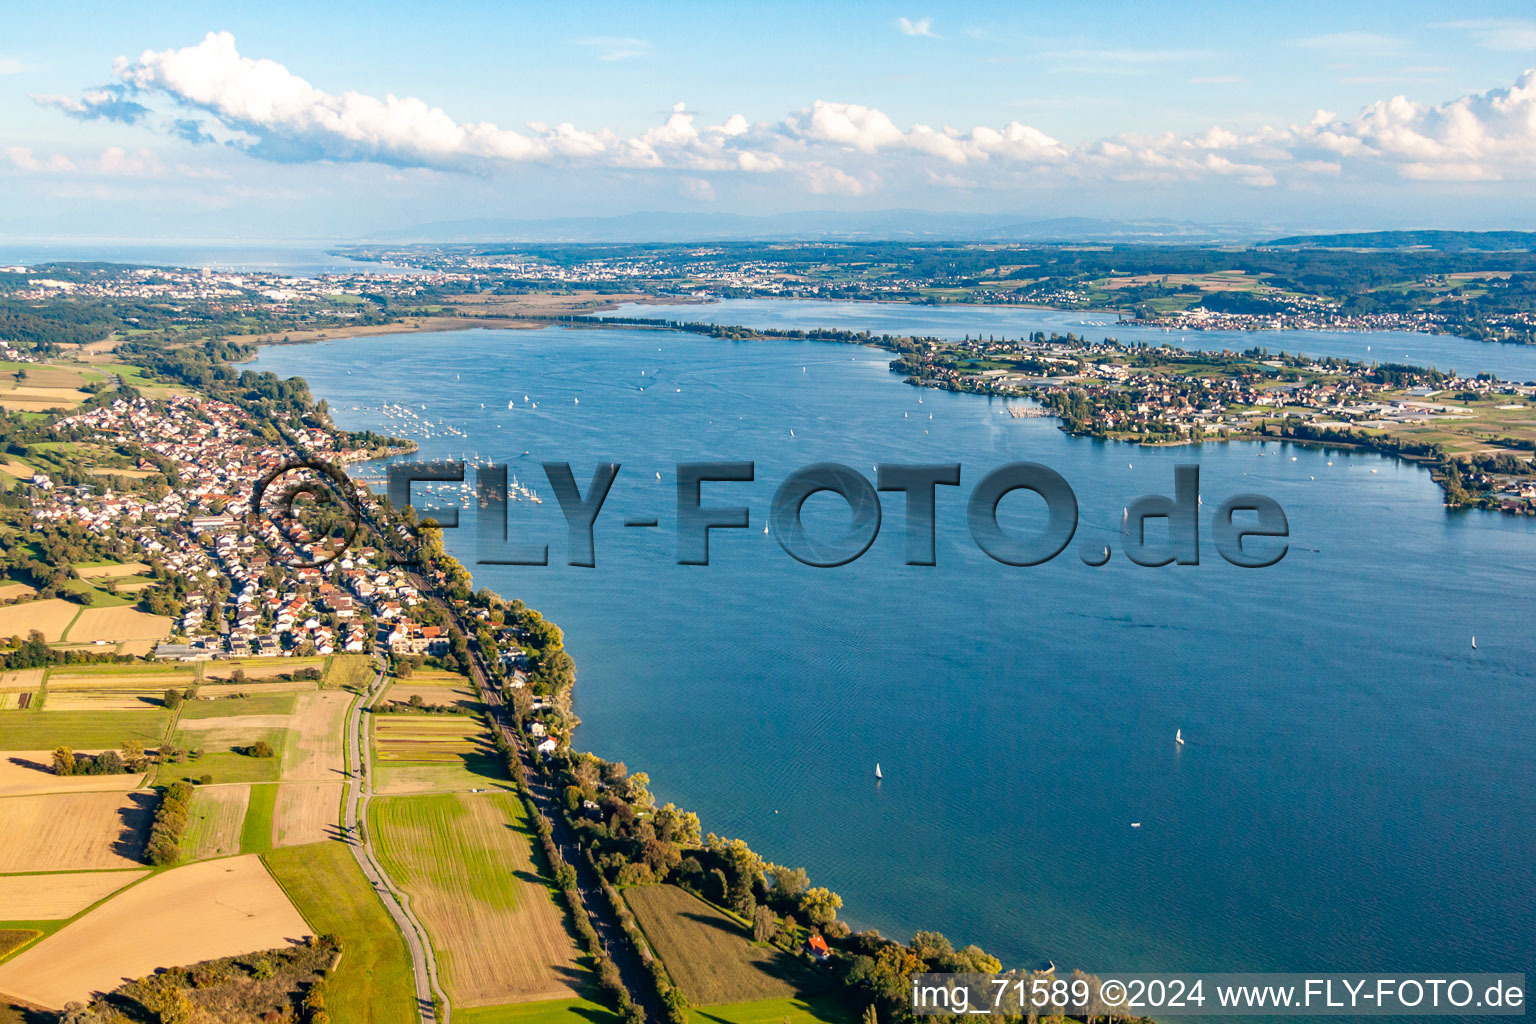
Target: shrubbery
170 821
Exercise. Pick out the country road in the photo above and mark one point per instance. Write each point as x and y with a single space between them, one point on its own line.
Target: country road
423 963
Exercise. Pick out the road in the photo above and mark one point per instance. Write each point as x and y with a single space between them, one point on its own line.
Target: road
423 963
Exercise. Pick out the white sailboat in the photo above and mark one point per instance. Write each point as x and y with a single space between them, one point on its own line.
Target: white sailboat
1178 736
1474 643
878 775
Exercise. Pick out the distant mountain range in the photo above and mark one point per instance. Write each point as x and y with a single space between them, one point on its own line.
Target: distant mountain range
1440 241
883 225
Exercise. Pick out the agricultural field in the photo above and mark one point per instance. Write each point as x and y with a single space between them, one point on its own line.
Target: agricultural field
220 759
10 591
112 570
256 832
454 694
423 738
81 730
710 955
74 831
199 912
59 895
827 1008
51 617
261 668
214 821
373 983
117 624
349 671
313 748
30 772
306 812
218 691
548 1011
256 704
468 863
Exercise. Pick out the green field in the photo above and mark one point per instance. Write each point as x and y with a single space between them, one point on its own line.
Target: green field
477 772
256 832
213 822
498 930
828 1008
220 760
255 704
352 671
373 983
82 730
711 956
549 1011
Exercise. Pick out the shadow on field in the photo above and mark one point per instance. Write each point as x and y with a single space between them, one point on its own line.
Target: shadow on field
134 818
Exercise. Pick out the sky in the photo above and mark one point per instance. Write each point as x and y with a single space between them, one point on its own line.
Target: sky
336 122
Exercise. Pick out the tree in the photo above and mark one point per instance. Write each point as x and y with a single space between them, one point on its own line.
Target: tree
820 905
788 883
870 1016
63 761
764 925
107 763
133 756
172 699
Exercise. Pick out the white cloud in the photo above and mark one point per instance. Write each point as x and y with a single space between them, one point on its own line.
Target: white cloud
918 27
12 66
617 47
117 162
1355 44
24 159
1498 33
699 188
210 92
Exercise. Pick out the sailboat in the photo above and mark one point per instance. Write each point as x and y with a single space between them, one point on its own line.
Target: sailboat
1474 643
878 776
1178 736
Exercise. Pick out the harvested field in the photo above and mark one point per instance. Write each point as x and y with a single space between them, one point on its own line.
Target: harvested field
467 862
136 648
52 617
230 727
54 897
430 738
121 623
117 699
22 678
213 690
74 831
711 956
11 591
183 916
433 693
313 750
95 572
30 772
214 821
307 812
261 668
69 679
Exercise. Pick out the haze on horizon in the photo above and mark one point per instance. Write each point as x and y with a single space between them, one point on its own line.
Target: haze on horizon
293 121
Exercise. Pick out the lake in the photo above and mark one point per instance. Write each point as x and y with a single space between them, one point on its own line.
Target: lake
953 322
1355 790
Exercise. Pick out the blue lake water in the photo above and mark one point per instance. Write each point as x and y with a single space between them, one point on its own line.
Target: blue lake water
1444 352
1355 793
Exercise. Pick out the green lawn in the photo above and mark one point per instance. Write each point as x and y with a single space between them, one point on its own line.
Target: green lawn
220 760
828 1008
373 983
82 730
552 1011
255 704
